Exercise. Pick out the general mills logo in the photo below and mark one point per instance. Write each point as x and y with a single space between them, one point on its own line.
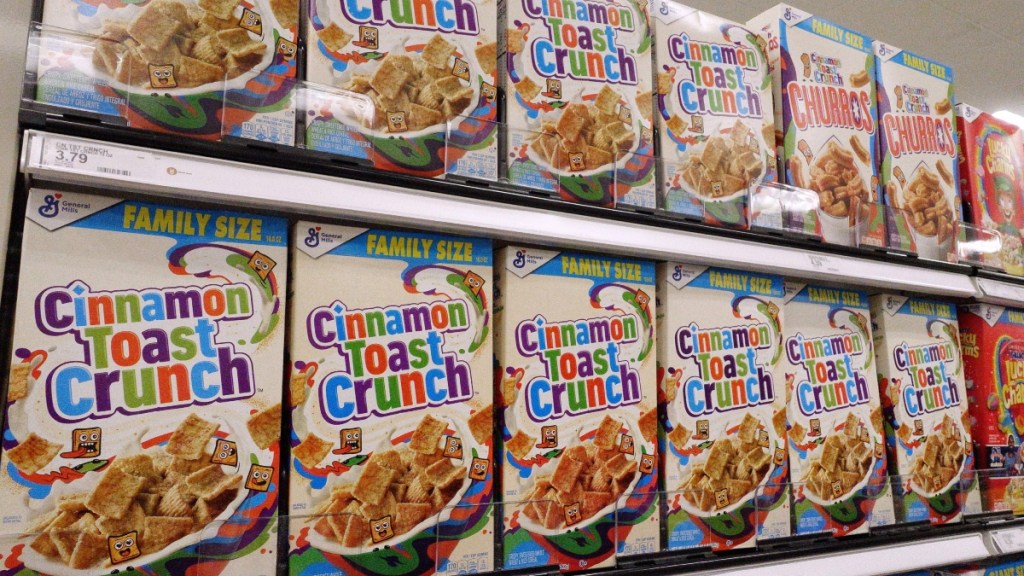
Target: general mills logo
313 237
788 14
664 8
883 50
520 259
51 206
677 273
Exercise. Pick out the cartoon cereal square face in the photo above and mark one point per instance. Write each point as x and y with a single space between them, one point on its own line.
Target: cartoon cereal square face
474 281
396 122
646 134
251 21
918 427
572 513
642 299
162 76
646 463
780 456
863 434
351 441
576 161
698 124
488 91
367 37
261 264
716 187
380 529
837 488
626 444
773 309
762 438
123 548
452 447
86 442
549 437
225 452
703 428
879 449
287 49
478 470
815 427
554 89
460 69
259 478
722 498
625 115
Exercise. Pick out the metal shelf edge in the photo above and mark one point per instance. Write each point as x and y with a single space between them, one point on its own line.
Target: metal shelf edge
177 175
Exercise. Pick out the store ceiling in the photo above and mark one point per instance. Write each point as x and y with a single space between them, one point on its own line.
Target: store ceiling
983 40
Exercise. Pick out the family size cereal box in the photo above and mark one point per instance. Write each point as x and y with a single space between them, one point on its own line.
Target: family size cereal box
836 440
579 100
992 342
991 174
724 433
823 80
715 115
390 387
202 68
144 402
407 85
921 376
917 154
575 346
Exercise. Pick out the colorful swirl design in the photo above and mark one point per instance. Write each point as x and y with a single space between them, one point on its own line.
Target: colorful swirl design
598 294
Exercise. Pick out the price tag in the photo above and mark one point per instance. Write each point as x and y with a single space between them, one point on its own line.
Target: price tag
823 263
1009 541
98 159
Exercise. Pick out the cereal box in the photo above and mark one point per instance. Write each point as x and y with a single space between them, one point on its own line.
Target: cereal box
724 433
917 154
144 407
715 115
579 100
824 86
575 346
991 172
390 388
920 372
405 86
203 68
992 342
836 441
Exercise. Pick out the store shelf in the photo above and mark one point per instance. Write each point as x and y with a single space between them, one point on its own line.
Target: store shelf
992 291
110 166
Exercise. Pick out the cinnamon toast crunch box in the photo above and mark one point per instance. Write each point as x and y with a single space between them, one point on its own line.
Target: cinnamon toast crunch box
992 341
202 68
405 86
837 452
992 180
579 103
575 346
918 151
390 395
714 112
724 433
144 404
823 81
921 377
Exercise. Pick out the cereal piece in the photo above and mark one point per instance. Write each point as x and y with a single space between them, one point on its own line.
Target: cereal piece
33 453
943 106
387 507
152 28
312 450
679 436
527 88
90 548
592 502
852 427
437 51
618 467
132 520
286 12
645 104
572 121
481 424
176 502
409 515
607 100
607 432
515 41
334 37
17 386
664 83
566 473
389 78
159 531
427 436
421 117
487 56
265 426
859 149
648 424
44 545
859 79
114 493
779 423
594 157
748 428
190 438
520 445
149 502
373 483
442 474
717 459
210 482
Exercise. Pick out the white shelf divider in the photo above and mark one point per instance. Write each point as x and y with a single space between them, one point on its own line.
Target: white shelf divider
891 559
118 167
1000 293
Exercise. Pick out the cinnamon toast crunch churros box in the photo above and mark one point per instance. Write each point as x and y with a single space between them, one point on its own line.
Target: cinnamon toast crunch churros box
390 394
575 346
143 416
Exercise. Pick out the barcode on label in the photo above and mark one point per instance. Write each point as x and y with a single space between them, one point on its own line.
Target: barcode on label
113 171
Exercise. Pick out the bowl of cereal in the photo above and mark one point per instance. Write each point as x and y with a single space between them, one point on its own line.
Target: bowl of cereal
937 463
840 465
927 211
841 177
724 167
